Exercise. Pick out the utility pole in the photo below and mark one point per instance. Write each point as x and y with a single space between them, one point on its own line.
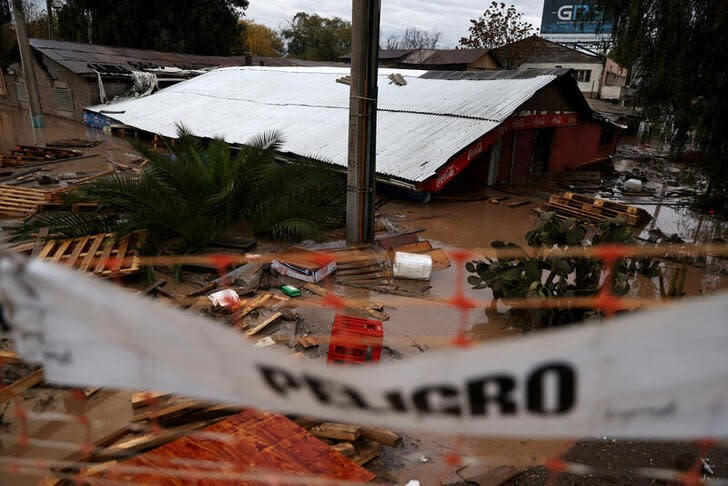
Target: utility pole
26 58
49 14
362 121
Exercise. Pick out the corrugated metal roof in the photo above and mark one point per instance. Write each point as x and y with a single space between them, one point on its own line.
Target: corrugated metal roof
420 125
386 54
496 74
454 56
76 57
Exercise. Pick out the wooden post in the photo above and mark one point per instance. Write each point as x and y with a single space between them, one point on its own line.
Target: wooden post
362 121
26 58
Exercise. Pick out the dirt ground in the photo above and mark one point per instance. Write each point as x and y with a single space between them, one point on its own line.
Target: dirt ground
416 327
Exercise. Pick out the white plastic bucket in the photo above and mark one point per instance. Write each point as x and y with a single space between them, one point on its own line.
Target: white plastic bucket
412 266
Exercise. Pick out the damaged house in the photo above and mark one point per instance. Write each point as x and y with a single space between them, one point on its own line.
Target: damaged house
73 75
434 128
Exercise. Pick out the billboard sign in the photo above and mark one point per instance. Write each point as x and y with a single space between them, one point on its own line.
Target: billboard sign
574 21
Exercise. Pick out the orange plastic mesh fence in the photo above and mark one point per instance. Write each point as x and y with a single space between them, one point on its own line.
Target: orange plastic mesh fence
19 462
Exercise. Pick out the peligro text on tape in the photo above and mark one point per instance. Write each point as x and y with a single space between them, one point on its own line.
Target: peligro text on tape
660 374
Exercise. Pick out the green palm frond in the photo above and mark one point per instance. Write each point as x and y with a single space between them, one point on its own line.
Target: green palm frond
270 140
185 200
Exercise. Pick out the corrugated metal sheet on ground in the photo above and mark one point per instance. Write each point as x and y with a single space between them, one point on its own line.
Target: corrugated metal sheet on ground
420 125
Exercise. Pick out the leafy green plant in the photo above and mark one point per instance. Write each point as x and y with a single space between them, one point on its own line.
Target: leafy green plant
187 199
556 275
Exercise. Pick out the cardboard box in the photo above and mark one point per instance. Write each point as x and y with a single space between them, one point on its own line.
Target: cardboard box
301 264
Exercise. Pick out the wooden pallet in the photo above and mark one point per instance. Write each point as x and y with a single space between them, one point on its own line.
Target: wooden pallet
595 210
21 202
90 253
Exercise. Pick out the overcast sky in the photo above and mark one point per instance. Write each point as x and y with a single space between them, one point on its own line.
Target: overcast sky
451 17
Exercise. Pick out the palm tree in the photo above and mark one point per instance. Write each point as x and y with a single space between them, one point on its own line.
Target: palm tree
186 200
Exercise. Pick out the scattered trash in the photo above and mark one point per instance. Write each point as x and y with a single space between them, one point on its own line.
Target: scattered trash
498 200
265 342
225 298
413 482
412 266
633 185
424 459
290 290
44 180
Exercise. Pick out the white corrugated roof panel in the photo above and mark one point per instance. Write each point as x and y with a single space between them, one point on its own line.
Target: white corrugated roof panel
420 125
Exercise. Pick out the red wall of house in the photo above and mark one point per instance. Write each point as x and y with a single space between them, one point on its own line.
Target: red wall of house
577 145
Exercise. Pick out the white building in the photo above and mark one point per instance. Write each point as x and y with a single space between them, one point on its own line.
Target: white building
597 75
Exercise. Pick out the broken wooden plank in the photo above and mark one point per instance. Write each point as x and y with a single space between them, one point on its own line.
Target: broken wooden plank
90 391
344 448
316 289
255 303
39 241
307 342
440 259
518 204
366 450
143 399
169 412
359 271
9 357
154 287
419 247
377 314
330 430
382 436
138 444
263 325
19 386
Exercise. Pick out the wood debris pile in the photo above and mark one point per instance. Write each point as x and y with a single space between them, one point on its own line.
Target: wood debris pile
28 154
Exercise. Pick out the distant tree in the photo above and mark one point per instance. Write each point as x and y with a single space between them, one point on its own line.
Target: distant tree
310 36
261 40
414 38
678 52
4 12
37 21
392 42
499 25
201 27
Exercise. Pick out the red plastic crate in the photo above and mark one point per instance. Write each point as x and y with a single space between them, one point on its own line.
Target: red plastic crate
355 340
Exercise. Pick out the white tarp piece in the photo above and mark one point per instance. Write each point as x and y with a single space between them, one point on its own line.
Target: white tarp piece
661 374
420 126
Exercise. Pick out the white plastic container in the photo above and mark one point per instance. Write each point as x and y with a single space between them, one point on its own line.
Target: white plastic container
633 185
412 266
